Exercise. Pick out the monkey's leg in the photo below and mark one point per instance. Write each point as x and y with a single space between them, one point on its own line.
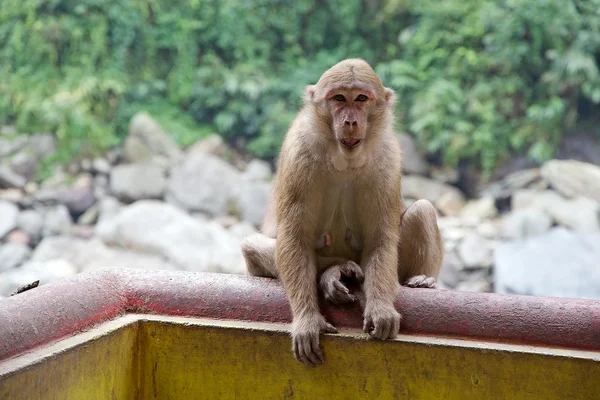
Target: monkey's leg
421 249
259 253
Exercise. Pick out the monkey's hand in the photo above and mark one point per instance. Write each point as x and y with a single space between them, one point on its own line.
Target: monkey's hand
333 290
382 321
305 338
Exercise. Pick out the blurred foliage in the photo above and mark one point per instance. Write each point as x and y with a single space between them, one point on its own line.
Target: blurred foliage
476 78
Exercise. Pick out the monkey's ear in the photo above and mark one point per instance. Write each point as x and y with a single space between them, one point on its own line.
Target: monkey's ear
390 96
309 93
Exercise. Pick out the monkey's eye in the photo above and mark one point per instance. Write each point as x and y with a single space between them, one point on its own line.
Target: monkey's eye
361 97
339 97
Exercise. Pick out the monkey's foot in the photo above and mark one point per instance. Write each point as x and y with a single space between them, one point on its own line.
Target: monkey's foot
422 281
333 289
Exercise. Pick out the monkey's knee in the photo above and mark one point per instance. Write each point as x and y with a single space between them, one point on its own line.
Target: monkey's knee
421 248
259 254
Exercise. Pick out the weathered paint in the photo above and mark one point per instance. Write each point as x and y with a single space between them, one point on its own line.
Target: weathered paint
102 366
188 358
63 308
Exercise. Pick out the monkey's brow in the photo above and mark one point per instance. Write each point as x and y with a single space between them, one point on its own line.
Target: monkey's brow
352 86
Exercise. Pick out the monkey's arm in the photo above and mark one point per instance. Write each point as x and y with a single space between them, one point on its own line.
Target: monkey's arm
296 263
380 260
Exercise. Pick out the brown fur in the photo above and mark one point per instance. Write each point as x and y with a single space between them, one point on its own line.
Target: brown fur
334 207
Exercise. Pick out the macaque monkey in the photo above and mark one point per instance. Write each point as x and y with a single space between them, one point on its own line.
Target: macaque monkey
336 211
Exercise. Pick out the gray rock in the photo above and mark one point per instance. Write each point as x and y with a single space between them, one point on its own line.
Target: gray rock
258 170
251 201
10 179
77 199
479 285
132 182
8 217
24 164
90 216
445 174
12 255
108 207
573 178
525 223
475 251
43 144
539 199
241 230
57 221
166 231
45 272
91 254
450 202
32 222
205 183
580 214
483 208
9 146
212 144
450 274
559 263
412 160
101 166
511 183
147 141
442 195
12 195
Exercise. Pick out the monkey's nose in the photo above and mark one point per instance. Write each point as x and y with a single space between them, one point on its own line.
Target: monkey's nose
350 142
351 123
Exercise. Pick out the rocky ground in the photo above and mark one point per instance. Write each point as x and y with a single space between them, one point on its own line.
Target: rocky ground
153 205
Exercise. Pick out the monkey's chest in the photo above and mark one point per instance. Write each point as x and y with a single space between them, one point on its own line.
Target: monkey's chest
339 232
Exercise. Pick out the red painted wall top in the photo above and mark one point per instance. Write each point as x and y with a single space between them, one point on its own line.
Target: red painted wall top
63 308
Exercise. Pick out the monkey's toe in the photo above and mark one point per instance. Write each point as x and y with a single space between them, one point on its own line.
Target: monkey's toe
422 281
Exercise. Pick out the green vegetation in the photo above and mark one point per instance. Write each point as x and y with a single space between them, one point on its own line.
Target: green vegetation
476 78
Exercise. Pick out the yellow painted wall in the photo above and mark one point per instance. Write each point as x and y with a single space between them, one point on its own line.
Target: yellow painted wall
185 359
103 369
195 362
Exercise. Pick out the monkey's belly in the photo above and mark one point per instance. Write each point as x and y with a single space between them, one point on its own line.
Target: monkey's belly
340 239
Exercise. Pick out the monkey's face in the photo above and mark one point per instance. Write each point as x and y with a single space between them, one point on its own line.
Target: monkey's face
349 109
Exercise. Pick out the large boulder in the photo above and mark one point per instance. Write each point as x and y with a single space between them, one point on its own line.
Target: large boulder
573 178
85 255
8 217
203 182
147 141
45 272
12 255
446 198
132 182
164 230
412 160
581 214
560 263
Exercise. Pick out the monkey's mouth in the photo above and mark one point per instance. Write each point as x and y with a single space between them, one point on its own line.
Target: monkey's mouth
350 143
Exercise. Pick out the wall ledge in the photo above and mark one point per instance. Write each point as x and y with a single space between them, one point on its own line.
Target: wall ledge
66 307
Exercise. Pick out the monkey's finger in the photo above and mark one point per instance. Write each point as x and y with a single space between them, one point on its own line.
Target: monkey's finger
301 353
378 327
386 329
395 329
367 325
317 351
328 328
311 348
340 286
359 275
